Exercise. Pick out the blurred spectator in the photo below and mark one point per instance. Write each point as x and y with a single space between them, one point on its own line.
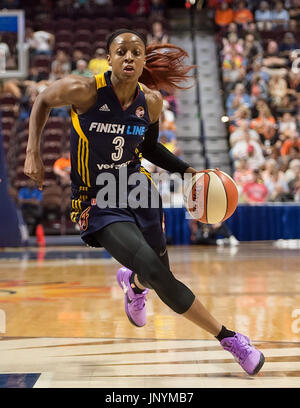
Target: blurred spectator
165 124
169 115
62 168
256 68
292 177
76 56
248 149
4 48
208 234
172 99
243 113
255 191
252 49
157 35
98 64
242 174
242 14
224 15
60 66
280 16
252 29
294 10
271 62
287 124
237 99
287 45
231 29
28 100
167 143
157 9
293 82
292 171
259 89
295 188
277 187
264 123
293 141
139 7
268 169
238 134
214 4
10 86
288 104
263 16
30 198
278 89
81 69
40 42
103 2
233 52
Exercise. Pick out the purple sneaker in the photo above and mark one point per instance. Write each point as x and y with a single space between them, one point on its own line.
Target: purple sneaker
249 358
135 306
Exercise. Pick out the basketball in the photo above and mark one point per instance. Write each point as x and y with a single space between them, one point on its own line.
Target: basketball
211 196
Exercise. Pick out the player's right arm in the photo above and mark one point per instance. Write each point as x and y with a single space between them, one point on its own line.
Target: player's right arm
79 92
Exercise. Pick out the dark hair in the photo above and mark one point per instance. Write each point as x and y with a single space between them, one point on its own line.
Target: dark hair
123 31
165 68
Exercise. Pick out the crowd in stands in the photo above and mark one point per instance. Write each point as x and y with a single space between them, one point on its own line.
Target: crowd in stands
259 49
65 37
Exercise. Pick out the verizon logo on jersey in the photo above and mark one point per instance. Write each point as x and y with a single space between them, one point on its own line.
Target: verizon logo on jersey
116 128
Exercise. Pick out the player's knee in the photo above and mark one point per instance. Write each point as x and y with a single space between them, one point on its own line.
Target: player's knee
148 267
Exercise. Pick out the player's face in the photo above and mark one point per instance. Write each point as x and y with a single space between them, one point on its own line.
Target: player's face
127 56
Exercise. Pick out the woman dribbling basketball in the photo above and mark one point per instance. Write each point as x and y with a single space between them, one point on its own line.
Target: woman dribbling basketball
114 122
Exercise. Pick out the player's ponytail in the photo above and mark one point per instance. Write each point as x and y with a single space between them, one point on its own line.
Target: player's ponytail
165 68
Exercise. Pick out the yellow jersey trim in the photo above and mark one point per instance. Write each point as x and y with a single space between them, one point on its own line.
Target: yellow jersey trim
83 150
100 80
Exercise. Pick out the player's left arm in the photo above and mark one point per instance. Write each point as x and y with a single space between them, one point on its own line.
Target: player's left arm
151 149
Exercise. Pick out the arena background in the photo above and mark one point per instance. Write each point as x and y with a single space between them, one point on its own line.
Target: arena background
242 116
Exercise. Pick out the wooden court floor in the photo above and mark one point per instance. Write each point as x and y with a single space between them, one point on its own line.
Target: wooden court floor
62 319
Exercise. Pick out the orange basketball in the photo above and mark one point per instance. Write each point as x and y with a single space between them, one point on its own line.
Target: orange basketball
211 196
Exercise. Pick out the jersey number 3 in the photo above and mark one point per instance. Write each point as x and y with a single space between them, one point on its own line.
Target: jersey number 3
119 142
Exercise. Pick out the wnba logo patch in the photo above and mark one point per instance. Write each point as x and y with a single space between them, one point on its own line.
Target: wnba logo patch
83 220
140 112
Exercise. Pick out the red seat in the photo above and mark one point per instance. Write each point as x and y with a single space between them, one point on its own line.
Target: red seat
64 36
8 99
83 24
103 23
64 24
7 123
7 111
55 122
83 35
83 46
121 22
101 34
64 46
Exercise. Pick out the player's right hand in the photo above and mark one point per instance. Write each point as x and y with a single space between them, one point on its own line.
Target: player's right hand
34 168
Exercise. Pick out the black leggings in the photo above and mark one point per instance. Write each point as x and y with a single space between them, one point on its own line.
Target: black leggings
126 243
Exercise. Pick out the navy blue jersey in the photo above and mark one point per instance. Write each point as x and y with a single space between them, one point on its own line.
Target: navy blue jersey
107 136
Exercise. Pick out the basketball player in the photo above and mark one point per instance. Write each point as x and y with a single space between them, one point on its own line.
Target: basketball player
114 122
